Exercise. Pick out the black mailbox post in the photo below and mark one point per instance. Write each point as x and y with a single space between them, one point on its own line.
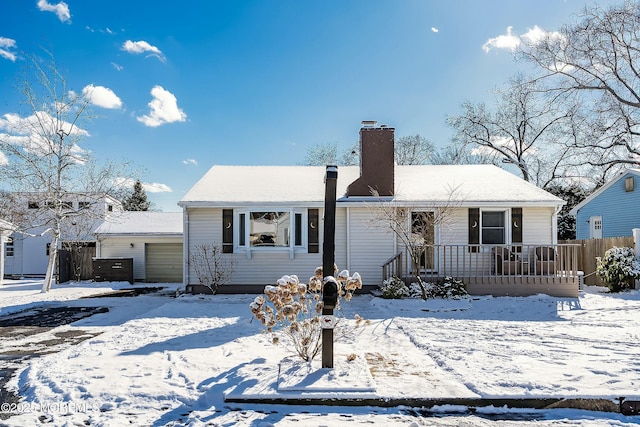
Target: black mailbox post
330 286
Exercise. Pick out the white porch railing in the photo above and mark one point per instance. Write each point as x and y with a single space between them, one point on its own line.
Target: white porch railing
495 269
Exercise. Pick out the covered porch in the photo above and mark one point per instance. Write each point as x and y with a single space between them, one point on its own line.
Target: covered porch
499 270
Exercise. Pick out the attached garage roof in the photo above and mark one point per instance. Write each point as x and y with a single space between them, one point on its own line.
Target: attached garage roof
467 184
142 223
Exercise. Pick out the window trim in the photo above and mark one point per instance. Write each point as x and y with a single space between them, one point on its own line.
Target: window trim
240 232
507 229
9 247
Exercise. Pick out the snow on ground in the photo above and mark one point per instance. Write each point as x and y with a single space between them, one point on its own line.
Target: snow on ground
170 361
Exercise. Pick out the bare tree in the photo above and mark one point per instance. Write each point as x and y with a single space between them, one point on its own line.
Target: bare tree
327 154
408 150
45 160
212 267
415 228
413 150
596 60
525 129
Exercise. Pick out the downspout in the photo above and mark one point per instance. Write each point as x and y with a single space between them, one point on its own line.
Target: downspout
554 228
2 242
348 266
185 246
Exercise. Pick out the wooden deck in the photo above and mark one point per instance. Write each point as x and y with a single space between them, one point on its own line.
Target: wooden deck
505 270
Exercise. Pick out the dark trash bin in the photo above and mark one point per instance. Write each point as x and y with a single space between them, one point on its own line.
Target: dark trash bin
113 269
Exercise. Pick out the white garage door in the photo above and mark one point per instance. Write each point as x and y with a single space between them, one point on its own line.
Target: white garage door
163 262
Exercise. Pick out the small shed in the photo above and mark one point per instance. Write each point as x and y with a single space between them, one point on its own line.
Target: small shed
152 239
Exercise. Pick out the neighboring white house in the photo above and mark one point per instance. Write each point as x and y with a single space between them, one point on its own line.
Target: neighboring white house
152 239
270 218
6 229
27 252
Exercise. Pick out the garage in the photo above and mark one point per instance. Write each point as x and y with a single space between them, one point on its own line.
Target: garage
163 262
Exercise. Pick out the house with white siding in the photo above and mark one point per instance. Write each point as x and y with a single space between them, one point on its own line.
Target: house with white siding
610 211
499 235
153 240
27 249
6 229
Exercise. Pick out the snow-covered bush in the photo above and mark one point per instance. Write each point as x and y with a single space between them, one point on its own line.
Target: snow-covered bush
618 268
450 288
394 288
291 310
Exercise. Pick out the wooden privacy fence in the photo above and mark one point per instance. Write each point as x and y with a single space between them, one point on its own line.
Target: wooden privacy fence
75 262
591 249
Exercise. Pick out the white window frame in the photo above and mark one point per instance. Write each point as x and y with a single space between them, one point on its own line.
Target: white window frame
292 248
507 228
9 247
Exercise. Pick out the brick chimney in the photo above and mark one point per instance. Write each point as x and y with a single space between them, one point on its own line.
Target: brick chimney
376 161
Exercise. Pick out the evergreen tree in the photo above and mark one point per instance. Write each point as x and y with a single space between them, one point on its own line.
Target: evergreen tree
137 200
572 194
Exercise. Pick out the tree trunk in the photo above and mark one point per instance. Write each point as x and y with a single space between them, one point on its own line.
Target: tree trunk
51 266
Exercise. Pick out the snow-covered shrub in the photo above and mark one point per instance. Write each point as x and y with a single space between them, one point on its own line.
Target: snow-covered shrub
415 290
618 268
291 310
450 288
394 288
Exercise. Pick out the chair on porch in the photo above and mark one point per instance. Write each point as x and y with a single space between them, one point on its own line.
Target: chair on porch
505 261
546 257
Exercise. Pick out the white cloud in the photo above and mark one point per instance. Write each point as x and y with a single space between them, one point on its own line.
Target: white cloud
35 132
164 109
434 29
142 47
156 187
536 34
6 44
118 67
190 162
511 41
61 9
503 41
102 96
148 187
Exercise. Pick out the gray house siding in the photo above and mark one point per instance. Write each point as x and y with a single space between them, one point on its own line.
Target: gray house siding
618 208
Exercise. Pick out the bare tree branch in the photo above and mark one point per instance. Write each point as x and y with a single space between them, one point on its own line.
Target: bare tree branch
46 162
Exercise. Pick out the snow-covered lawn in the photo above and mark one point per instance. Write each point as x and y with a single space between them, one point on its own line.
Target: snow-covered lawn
171 361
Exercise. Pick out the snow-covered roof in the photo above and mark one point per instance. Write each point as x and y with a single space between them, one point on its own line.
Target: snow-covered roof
466 184
6 228
5 225
142 222
596 193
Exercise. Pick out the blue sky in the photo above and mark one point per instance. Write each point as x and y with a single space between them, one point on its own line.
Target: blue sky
180 86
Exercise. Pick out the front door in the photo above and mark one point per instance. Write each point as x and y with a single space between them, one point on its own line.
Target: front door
595 227
423 238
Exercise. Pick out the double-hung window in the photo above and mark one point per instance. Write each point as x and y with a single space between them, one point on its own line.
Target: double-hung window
8 247
493 228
